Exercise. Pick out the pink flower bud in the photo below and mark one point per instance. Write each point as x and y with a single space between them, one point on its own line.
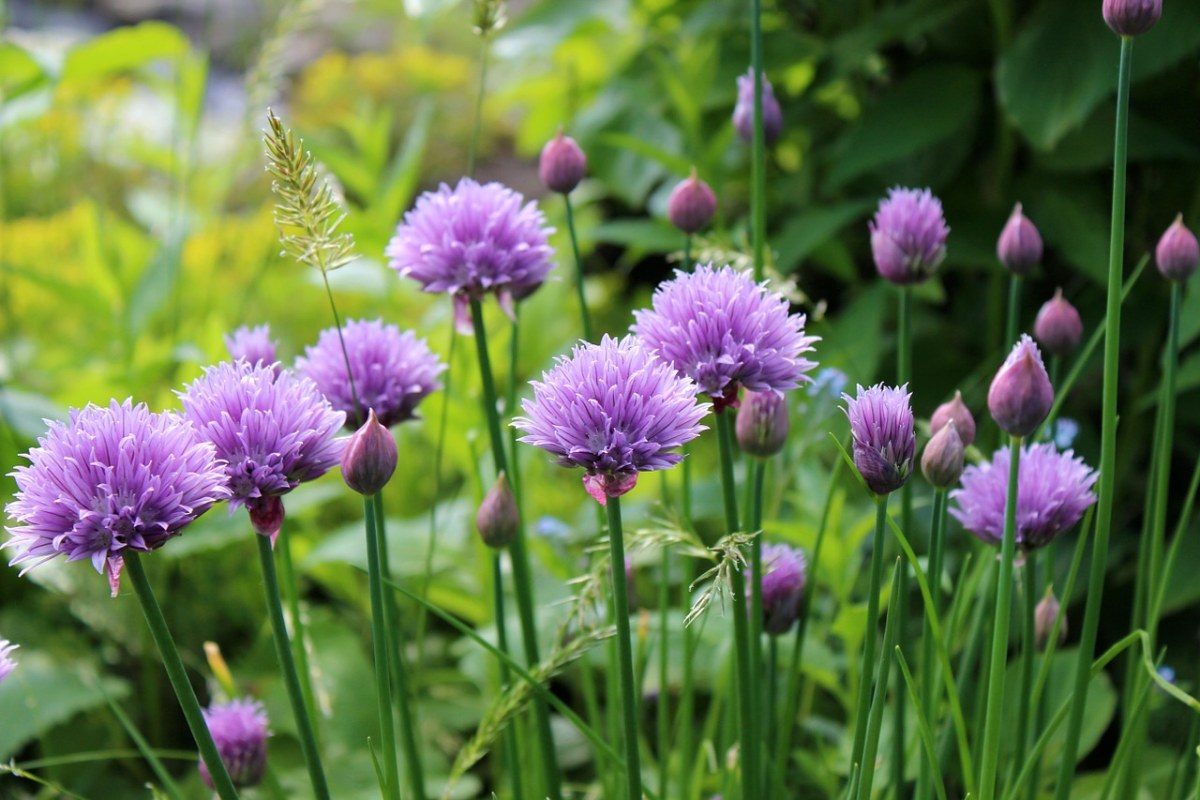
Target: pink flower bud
942 461
497 519
1177 253
1044 616
762 423
743 111
562 165
1058 327
370 457
1020 396
266 516
955 410
691 205
1131 17
1020 245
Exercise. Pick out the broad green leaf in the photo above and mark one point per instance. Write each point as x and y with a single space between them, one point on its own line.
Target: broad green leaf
810 228
19 71
122 50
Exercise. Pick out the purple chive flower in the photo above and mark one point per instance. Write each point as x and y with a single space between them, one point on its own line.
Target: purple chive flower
562 164
784 575
253 344
1131 17
956 410
908 235
614 409
723 330
1058 327
471 240
1053 491
393 371
743 112
1021 395
239 730
692 204
115 477
273 432
7 665
1020 245
885 439
1178 252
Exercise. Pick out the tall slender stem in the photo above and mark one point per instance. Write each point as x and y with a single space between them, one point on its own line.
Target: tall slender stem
747 685
1013 320
299 651
1028 648
929 684
512 756
584 316
1108 430
616 542
178 675
663 707
484 51
904 359
522 575
867 775
762 715
684 718
380 637
308 740
758 148
867 673
995 694
687 252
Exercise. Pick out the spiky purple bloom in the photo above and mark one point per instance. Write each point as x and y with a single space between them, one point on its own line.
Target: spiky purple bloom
743 111
614 409
785 572
1053 491
1177 253
885 438
908 235
471 240
1020 396
239 729
253 344
115 477
393 371
274 433
7 665
723 330
1131 17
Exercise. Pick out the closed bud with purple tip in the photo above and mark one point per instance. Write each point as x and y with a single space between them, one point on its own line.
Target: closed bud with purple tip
1020 245
1131 17
369 458
885 439
1021 395
743 112
1177 253
7 665
239 730
956 410
942 461
692 204
785 572
498 517
1058 327
562 165
1044 616
762 423
908 235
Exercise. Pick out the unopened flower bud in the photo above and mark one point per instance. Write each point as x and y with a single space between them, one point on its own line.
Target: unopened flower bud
1131 17
1058 327
691 205
1020 395
1020 245
266 516
762 423
785 572
942 461
498 518
1177 253
955 410
239 730
1044 616
562 165
743 111
370 457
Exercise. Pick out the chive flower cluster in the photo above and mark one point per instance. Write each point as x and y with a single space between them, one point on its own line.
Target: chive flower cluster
884 435
239 729
908 236
253 344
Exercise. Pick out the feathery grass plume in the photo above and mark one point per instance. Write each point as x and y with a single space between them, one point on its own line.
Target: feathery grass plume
308 213
730 556
515 699
265 75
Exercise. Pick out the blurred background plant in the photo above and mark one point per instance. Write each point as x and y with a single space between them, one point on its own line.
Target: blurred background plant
136 230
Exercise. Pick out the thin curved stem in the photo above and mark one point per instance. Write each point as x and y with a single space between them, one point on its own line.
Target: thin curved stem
625 648
929 686
866 678
380 638
1028 647
584 317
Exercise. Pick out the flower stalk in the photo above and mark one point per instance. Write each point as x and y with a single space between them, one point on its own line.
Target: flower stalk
758 155
929 686
629 716
867 672
585 317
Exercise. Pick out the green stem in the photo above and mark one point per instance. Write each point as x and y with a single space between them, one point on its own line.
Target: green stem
995 693
177 674
904 357
512 756
685 716
299 651
867 776
866 677
625 648
929 686
283 651
584 316
758 154
1108 431
380 639
687 252
484 51
1012 321
762 716
747 685
522 575
407 702
1028 648
1162 470
663 707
